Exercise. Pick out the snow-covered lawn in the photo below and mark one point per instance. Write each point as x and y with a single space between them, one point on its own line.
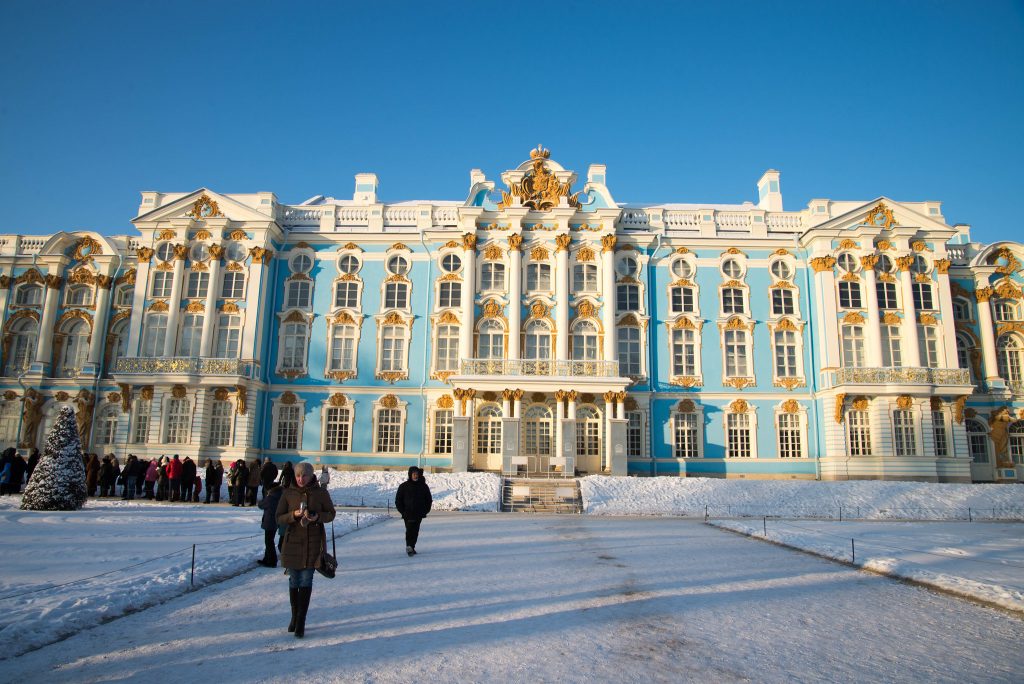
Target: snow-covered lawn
508 598
451 491
691 496
137 554
984 561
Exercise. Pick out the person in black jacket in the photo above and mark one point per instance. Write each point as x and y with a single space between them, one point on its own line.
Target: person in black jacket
214 479
33 461
188 479
18 468
268 473
270 526
413 502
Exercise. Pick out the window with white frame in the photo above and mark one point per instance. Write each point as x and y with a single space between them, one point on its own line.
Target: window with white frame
301 262
106 426
782 302
858 432
123 295
199 252
29 295
732 269
584 278
1004 310
348 264
682 268
233 285
198 285
398 265
537 431
790 435
682 299
964 347
293 346
346 294
449 294
488 430
886 294
853 346
977 440
396 295
684 352
629 350
584 341
849 295
1017 442
491 340
389 431
177 421
162 283
1010 353
288 427
634 434
446 357
685 436
79 295
903 432
298 294
343 348
737 353
443 422
24 338
337 428
189 343
928 345
229 336
940 433
781 269
165 251
961 309
786 345
627 297
10 417
154 335
538 277
737 435
140 421
221 413
588 433
235 251
923 299
492 276
451 263
76 348
393 348
627 266
537 341
732 300
891 353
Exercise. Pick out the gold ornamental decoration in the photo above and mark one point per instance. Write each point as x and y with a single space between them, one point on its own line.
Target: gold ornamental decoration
739 383
448 318
739 406
204 208
821 264
389 401
178 391
337 400
683 324
445 401
166 234
164 266
469 241
1010 263
927 319
199 266
81 276
202 234
515 242
884 245
158 305
860 403
539 254
848 244
791 406
492 309
734 251
983 294
1007 290
904 402
216 251
540 189
958 409
584 254
839 410
538 310
53 281
238 234
891 318
62 396
868 261
881 217
10 395
942 265
687 381
180 252
853 318
87 248
905 262
608 243
195 306
686 406
288 398
29 276
240 407
229 307
562 242
936 403
586 309
493 252
221 394
919 246
260 254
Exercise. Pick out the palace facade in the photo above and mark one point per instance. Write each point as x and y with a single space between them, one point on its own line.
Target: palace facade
531 327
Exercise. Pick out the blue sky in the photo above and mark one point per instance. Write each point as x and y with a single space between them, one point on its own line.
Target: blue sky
685 102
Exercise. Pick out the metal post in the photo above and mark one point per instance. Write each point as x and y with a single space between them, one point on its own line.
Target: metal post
193 565
853 551
357 518
840 513
705 512
969 515
766 525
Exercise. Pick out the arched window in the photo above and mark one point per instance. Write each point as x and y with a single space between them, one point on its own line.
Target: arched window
25 337
1010 351
76 348
1017 442
488 430
853 346
29 295
537 338
79 295
491 341
584 341
191 335
343 348
117 344
977 440
154 335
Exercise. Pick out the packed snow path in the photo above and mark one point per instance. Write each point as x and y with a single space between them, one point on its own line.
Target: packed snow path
494 597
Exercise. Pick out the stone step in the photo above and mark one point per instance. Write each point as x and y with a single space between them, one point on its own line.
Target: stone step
520 495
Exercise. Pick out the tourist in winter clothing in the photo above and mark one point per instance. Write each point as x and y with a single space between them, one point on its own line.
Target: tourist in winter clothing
241 481
174 476
151 476
33 461
413 502
6 468
268 473
188 478
214 478
92 475
130 475
163 487
271 528
196 489
304 508
253 490
107 477
325 477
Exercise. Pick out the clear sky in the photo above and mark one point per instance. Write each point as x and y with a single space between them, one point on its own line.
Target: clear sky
684 101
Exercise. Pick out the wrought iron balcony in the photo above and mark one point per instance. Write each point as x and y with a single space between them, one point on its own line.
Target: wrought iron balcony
902 376
521 367
186 365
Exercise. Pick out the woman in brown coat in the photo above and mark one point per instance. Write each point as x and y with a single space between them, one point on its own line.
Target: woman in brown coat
92 474
304 507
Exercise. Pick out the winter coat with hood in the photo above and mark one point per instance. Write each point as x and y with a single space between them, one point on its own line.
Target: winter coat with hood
268 473
92 471
188 470
214 475
254 475
413 499
152 472
269 505
174 469
302 545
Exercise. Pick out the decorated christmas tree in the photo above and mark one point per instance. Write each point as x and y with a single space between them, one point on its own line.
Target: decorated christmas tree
58 482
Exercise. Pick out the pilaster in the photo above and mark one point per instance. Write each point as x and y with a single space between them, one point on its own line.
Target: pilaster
562 298
908 330
515 295
608 297
469 300
174 305
209 316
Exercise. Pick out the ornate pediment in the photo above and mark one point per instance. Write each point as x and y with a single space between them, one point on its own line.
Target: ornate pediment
540 189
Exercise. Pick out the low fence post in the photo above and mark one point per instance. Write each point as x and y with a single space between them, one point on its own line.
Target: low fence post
357 518
853 551
193 582
969 515
766 525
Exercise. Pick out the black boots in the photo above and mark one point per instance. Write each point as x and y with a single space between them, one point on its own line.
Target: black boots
293 594
304 594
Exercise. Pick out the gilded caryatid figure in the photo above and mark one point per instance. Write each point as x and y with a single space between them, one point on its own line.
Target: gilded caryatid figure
539 189
33 414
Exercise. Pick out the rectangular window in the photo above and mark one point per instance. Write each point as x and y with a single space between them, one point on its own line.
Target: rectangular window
9 422
790 438
233 285
785 354
337 433
736 354
450 295
392 349
978 442
629 351
737 435
287 434
584 278
140 421
299 294
627 298
538 277
859 433
634 434
229 336
293 353
685 444
447 349
191 335
220 423
939 433
162 282
732 300
198 285
346 295
155 335
903 433
853 346
782 302
849 295
343 348
684 352
891 355
396 296
443 431
928 346
389 431
178 419
492 276
682 300
886 293
923 296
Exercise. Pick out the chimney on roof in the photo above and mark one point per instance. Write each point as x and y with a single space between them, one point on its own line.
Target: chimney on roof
366 188
769 192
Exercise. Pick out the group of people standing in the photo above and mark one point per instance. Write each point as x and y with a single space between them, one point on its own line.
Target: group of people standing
15 470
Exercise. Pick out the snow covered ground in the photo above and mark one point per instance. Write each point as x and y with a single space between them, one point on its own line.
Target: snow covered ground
981 560
451 491
503 597
603 495
136 554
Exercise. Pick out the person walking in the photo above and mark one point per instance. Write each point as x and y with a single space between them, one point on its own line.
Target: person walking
325 477
214 477
413 502
305 508
188 478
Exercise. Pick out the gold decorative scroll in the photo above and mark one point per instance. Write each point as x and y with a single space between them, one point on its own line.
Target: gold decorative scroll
739 406
608 243
839 409
445 401
539 189
204 208
539 254
881 216
389 401
919 246
905 262
942 265
562 242
584 254
493 251
848 244
869 261
791 406
825 263
515 242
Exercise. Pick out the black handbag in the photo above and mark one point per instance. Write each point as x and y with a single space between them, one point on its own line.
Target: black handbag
328 565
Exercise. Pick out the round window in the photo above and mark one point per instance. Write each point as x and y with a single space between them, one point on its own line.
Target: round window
301 263
847 262
234 251
681 268
398 265
884 264
348 264
450 263
782 270
627 266
199 252
731 268
165 251
920 264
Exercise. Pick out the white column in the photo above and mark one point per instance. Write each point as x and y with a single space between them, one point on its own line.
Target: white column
874 330
908 331
142 269
572 404
620 406
206 341
515 295
562 299
506 408
825 282
609 299
99 322
988 339
45 348
946 311
468 298
256 309
174 305
517 404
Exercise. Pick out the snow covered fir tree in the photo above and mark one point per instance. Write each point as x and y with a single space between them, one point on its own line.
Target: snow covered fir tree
58 482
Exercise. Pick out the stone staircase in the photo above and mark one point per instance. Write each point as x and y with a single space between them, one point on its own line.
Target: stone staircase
521 495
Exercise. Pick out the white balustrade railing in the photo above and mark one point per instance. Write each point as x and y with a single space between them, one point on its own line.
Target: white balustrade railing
530 367
732 219
400 216
957 252
790 221
300 216
634 218
357 215
446 216
681 219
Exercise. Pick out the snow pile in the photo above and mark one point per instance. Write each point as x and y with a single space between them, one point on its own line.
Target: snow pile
603 495
451 491
58 482
134 554
979 560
